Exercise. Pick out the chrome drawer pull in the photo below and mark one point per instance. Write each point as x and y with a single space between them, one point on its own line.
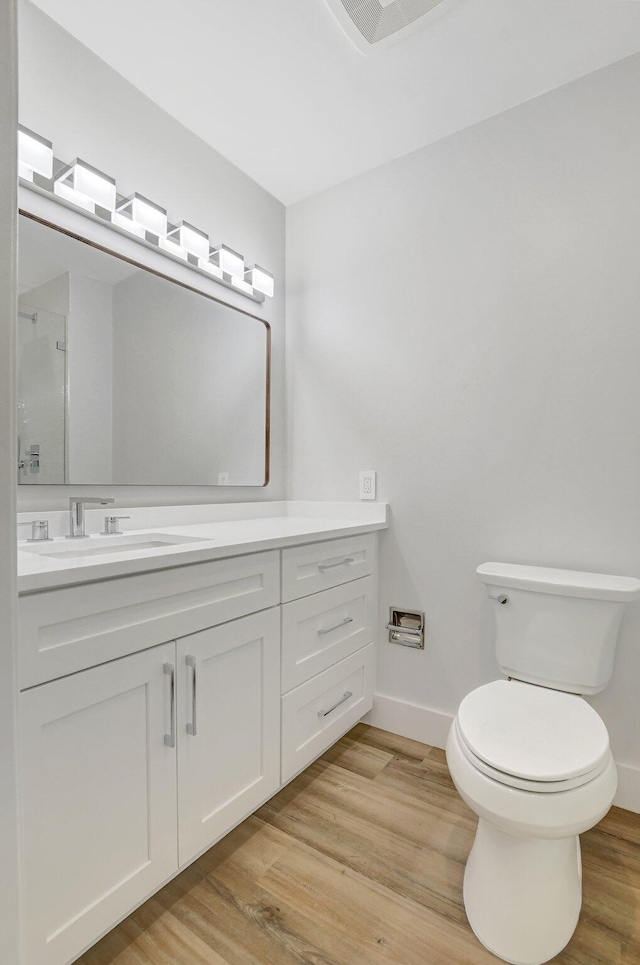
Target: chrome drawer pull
345 696
330 566
192 728
346 620
170 739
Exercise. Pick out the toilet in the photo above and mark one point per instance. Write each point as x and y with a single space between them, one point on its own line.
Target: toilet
532 758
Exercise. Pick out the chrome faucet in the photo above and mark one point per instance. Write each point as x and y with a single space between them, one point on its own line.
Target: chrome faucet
76 513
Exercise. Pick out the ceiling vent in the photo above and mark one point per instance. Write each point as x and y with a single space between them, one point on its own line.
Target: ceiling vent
377 23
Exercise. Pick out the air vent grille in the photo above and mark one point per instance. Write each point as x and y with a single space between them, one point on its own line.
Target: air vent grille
376 21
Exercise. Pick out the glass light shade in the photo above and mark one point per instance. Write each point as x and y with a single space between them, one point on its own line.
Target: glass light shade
228 260
168 244
35 154
193 240
128 224
263 281
212 269
68 194
89 183
242 286
151 217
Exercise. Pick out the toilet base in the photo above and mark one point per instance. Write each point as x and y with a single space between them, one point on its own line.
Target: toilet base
523 895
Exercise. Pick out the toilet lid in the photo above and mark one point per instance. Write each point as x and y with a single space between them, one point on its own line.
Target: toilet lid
533 732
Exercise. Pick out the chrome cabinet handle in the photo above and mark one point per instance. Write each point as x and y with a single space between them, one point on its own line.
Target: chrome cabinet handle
345 696
192 727
170 739
330 566
346 620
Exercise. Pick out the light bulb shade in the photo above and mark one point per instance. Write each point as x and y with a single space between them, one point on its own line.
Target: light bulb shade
193 240
173 247
86 182
211 269
242 286
145 213
127 224
228 260
260 279
35 154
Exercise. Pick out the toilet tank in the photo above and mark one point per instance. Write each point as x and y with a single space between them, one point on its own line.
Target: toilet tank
557 628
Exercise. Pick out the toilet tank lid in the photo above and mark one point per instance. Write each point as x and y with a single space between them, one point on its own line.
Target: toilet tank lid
542 579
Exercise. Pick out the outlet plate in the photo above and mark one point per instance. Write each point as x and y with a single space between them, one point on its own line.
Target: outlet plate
368 484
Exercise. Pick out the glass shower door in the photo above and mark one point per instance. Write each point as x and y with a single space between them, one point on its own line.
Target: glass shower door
42 395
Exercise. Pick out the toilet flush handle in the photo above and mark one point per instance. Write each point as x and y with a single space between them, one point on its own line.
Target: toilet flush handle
499 598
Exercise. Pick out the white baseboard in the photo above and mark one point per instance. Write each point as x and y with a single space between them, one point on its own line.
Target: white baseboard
628 794
409 720
429 726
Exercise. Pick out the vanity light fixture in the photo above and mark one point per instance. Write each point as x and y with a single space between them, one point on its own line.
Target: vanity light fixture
140 211
81 185
260 279
35 154
84 185
228 260
172 245
191 239
211 269
242 285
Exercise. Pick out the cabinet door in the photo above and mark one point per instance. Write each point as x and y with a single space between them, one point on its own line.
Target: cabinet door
228 727
99 799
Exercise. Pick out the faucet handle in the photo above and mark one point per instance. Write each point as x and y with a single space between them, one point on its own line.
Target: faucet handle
39 530
111 525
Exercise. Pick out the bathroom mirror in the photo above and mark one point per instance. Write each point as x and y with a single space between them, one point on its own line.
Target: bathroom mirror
127 377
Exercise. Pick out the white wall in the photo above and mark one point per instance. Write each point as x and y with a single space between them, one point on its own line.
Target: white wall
9 909
72 97
466 321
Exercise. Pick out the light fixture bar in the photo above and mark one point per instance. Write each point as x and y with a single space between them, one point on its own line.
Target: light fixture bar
81 185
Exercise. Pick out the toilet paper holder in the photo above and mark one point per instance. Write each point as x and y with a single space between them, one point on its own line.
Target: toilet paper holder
406 627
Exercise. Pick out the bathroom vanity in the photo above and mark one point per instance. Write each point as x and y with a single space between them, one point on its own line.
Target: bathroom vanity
168 690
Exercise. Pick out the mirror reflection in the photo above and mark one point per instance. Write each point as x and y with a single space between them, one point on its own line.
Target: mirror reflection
128 378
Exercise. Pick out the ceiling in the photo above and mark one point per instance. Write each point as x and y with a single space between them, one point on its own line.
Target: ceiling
277 87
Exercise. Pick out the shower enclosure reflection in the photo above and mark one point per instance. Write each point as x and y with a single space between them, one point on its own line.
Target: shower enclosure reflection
128 378
41 389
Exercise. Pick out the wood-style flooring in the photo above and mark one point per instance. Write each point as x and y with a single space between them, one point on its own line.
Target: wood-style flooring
359 861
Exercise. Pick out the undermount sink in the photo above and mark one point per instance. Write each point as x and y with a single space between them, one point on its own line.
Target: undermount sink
105 545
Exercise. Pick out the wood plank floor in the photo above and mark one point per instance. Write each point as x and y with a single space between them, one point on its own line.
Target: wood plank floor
360 860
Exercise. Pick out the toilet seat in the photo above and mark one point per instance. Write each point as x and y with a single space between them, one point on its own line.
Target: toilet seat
532 738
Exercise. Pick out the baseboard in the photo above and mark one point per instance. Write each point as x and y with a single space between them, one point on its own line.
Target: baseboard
628 794
429 726
416 721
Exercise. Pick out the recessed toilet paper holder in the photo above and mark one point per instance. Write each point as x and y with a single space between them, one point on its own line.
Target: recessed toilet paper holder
406 627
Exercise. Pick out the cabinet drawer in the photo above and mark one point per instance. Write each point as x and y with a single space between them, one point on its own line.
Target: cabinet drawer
320 630
319 566
318 712
63 631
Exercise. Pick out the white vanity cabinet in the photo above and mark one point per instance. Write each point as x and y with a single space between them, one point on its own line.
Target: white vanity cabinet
228 727
159 710
99 800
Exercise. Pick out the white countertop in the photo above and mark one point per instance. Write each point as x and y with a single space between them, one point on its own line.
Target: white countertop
252 531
